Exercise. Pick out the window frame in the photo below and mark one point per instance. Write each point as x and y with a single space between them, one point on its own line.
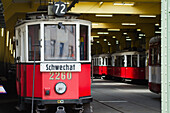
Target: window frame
76 22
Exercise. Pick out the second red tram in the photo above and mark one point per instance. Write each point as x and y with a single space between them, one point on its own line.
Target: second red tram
155 64
61 74
128 65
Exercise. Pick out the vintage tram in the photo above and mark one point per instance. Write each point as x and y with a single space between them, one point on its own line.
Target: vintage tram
100 65
53 62
128 65
155 64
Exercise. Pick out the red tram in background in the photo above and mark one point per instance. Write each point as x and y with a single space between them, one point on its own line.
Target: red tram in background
100 65
128 65
53 62
155 64
124 65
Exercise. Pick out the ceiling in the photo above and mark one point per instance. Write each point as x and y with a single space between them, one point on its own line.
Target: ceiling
15 9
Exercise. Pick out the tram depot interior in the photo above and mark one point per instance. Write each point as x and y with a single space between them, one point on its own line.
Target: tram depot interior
117 25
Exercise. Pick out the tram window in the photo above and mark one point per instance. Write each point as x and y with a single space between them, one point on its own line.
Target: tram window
100 62
159 55
83 42
142 61
34 39
155 55
103 61
129 61
59 44
109 61
122 63
151 56
106 60
117 61
134 60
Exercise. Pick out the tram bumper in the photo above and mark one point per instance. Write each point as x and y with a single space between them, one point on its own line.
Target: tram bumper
80 101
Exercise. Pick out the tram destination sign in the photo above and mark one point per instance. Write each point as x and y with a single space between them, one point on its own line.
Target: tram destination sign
60 67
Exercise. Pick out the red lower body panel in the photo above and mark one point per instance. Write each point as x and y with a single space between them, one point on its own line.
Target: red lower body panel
127 72
156 88
78 83
97 70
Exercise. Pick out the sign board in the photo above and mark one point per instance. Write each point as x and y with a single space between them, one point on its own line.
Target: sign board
60 67
2 90
59 8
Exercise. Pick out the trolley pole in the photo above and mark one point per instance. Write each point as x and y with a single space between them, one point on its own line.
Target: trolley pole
32 108
165 56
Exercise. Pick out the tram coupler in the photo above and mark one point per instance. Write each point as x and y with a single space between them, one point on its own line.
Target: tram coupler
79 108
60 109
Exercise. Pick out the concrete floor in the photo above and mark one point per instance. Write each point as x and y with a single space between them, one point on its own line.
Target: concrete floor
117 97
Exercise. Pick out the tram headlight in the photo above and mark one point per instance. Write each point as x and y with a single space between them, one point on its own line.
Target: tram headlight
60 88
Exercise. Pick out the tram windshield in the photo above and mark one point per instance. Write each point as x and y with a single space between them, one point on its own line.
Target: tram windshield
59 42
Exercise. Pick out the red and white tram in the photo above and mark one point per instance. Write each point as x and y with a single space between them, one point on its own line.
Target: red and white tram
61 73
155 64
100 65
128 65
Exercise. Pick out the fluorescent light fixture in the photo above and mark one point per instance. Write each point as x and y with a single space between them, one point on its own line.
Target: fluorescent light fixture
128 39
95 24
157 24
113 36
128 24
11 48
138 29
109 43
113 29
104 15
14 53
159 27
140 37
125 33
7 38
117 42
105 40
2 32
124 3
150 16
103 33
98 42
95 36
157 31
141 34
10 44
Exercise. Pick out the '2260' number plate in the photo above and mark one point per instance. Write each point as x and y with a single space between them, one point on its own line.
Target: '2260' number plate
60 76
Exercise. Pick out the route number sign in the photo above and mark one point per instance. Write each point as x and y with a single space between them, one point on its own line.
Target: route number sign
59 8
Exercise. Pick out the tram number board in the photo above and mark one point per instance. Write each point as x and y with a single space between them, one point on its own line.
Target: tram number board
60 76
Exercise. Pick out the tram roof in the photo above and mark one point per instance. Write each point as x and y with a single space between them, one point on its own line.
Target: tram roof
36 17
127 53
155 39
102 55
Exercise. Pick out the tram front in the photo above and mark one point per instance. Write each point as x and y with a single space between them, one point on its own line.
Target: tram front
54 63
